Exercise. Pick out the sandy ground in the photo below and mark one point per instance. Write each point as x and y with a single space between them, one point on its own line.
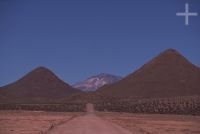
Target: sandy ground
155 123
29 122
88 124
24 122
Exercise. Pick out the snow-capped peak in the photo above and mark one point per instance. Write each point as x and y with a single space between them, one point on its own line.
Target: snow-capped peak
95 82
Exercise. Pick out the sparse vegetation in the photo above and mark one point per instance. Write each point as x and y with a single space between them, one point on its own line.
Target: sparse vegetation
67 107
188 105
177 105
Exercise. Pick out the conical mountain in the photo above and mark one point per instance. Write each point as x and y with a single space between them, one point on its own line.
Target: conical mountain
40 83
168 74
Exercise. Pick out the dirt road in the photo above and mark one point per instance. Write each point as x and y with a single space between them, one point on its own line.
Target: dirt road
88 124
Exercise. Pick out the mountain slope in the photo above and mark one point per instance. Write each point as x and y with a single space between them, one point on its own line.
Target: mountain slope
38 84
97 81
169 74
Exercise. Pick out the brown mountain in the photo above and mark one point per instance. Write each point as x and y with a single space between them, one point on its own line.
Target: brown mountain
168 74
39 84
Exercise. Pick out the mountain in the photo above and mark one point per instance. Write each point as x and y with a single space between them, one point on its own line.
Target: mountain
39 84
97 81
168 74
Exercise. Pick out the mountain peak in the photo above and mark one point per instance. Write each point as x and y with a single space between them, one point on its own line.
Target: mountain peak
40 75
41 69
168 74
95 82
169 57
39 83
170 52
104 75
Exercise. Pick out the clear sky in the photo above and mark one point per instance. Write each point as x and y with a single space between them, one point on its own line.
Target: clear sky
80 38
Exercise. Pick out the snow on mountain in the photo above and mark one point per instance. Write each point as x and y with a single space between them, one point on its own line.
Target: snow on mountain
95 82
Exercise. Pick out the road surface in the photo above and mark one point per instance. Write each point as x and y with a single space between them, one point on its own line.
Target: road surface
88 124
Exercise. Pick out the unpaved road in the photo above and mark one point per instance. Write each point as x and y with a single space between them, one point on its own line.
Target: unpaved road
88 124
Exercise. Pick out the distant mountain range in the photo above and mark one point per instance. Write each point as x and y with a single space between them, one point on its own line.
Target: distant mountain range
167 75
97 81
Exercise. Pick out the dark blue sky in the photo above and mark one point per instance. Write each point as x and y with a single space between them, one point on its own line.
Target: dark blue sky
80 38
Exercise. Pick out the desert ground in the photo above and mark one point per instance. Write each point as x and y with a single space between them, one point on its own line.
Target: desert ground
30 122
91 122
155 123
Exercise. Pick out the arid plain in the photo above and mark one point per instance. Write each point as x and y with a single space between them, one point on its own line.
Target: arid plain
30 122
